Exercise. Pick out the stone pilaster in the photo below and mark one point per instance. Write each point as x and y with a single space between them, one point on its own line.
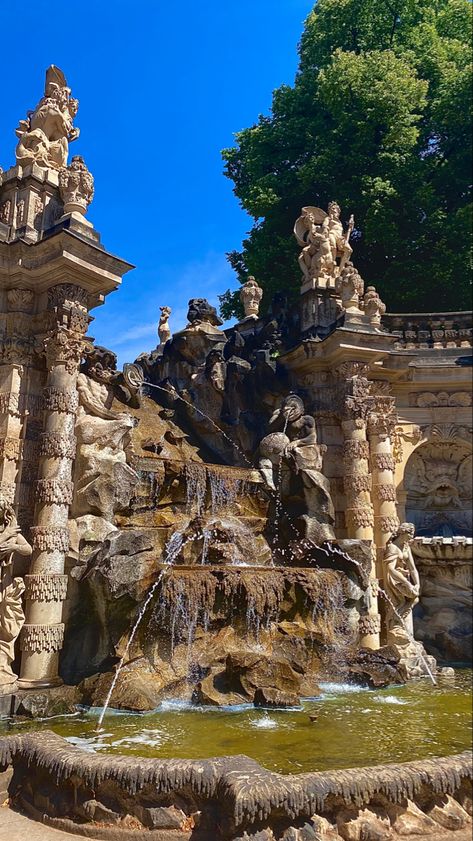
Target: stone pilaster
358 491
381 424
43 632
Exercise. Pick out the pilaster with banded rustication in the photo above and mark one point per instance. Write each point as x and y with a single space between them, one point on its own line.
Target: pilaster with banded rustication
358 492
42 634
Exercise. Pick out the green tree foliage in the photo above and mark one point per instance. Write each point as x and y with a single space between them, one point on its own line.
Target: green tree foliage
379 118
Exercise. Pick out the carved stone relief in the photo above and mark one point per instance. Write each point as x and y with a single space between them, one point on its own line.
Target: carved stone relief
438 481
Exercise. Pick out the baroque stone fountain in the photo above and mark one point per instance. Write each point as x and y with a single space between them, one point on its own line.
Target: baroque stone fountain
216 524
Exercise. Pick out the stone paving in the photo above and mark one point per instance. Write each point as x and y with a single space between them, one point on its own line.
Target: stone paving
16 827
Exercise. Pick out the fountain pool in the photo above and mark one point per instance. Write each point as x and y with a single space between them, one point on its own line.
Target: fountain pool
354 726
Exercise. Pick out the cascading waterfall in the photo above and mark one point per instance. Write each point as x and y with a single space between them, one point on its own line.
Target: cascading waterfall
173 549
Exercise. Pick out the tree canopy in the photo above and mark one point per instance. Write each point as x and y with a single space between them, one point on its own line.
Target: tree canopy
378 119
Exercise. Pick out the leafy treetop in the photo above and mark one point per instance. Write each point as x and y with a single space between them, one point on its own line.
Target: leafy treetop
379 118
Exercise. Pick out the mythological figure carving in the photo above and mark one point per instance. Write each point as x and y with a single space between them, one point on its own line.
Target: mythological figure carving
164 330
250 296
45 135
11 589
325 246
402 584
294 445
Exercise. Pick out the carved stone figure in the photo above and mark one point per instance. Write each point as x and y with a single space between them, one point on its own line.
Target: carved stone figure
104 482
402 587
350 287
250 296
45 135
374 306
402 584
76 186
12 616
164 331
295 446
325 246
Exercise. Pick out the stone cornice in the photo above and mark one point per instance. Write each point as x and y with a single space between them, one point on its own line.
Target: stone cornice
63 257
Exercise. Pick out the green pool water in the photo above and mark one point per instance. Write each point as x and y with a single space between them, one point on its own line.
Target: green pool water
354 727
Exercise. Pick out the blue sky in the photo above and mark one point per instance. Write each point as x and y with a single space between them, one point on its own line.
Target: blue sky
162 89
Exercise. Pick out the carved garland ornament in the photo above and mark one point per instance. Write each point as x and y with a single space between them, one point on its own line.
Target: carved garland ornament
59 400
46 588
57 491
383 461
369 624
361 516
356 448
56 445
385 492
38 638
10 448
389 524
49 538
357 482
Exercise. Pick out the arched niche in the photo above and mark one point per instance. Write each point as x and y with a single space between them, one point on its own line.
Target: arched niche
438 487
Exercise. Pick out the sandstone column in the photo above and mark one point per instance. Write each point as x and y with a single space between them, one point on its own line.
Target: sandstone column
381 423
358 486
46 585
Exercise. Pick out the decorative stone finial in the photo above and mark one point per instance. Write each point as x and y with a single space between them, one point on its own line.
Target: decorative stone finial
250 296
164 330
45 134
374 306
76 186
350 287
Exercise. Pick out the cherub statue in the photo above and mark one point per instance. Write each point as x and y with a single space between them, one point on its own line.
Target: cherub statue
323 241
250 296
402 583
45 135
12 616
164 331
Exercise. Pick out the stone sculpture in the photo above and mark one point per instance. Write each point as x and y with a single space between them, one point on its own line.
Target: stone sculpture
12 588
325 245
45 134
104 481
402 584
373 305
76 186
250 296
164 331
350 287
295 446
